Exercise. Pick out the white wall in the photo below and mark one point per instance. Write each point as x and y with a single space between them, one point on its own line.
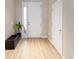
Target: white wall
9 17
49 18
18 10
68 29
44 18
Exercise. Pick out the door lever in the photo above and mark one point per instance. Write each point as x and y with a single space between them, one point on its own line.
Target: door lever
59 30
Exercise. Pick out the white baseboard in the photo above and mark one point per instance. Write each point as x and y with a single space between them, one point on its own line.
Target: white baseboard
37 37
44 36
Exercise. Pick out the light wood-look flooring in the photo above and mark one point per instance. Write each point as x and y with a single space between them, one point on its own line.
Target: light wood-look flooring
33 49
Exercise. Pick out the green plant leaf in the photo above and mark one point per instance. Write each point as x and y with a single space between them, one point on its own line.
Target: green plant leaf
19 26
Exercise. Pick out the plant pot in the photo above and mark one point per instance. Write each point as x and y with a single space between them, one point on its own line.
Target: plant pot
19 34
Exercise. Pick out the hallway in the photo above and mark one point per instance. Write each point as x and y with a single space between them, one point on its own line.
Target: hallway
33 49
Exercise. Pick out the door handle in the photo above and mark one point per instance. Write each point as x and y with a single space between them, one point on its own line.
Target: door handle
59 30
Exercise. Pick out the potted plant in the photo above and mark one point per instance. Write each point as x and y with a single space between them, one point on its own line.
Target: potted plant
19 27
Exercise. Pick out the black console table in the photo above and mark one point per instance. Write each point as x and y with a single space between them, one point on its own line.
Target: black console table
12 41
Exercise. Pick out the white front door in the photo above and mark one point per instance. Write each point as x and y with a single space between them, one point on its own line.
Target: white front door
57 25
32 19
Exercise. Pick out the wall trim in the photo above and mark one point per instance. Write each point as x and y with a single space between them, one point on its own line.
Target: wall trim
44 36
41 37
